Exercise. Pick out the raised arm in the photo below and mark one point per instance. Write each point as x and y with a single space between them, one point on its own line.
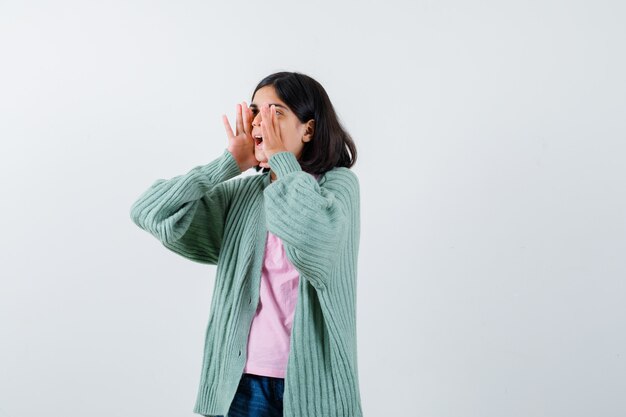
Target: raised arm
187 212
312 221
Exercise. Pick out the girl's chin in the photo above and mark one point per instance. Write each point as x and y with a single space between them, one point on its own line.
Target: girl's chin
263 163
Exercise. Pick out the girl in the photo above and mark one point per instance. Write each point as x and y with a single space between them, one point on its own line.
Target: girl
281 335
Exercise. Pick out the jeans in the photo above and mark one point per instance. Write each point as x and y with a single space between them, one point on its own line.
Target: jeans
258 396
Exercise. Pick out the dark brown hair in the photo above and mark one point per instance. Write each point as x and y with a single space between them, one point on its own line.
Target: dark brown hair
331 145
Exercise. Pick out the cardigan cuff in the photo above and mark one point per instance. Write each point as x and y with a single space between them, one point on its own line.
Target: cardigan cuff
283 163
226 168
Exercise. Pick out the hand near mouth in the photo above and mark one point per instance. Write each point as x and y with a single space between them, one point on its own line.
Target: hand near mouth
241 144
272 142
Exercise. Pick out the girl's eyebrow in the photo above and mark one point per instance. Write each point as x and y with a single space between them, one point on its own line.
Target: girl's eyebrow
252 105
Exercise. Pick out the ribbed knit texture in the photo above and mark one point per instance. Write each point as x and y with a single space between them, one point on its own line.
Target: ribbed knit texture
206 217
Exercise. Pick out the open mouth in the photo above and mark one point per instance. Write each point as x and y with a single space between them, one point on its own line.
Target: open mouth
258 140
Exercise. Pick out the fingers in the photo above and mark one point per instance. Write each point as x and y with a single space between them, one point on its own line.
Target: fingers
239 122
264 129
247 119
243 122
268 125
273 113
229 130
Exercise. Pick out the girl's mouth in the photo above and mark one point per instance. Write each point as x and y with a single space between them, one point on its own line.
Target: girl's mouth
257 141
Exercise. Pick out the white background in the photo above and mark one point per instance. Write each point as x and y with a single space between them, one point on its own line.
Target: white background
491 139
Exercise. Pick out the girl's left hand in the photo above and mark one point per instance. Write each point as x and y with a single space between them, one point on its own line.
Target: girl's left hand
272 142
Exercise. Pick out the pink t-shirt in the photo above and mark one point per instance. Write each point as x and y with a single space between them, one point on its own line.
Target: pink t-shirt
269 339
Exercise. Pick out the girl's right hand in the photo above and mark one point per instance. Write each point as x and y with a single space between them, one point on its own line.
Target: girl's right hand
241 145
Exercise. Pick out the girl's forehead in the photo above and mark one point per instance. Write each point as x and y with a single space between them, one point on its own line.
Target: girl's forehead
278 105
260 101
267 95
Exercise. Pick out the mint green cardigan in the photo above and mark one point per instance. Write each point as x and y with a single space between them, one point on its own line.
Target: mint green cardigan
206 217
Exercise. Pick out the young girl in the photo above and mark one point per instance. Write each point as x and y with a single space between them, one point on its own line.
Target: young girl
281 335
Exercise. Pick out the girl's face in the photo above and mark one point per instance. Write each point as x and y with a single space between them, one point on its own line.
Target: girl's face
293 133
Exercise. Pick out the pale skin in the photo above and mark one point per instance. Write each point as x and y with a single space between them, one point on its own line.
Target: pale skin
275 122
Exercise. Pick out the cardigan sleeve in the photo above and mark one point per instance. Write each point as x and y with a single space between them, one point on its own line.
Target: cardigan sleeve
187 212
311 220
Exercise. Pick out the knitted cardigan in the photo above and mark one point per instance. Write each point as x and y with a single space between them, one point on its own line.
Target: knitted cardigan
206 217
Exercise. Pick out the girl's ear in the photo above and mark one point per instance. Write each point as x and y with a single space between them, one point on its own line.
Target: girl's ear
309 131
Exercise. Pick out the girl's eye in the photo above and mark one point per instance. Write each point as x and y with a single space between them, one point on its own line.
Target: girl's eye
255 112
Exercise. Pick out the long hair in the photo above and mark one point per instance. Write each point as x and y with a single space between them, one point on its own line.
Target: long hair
331 146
